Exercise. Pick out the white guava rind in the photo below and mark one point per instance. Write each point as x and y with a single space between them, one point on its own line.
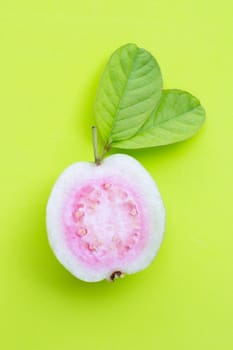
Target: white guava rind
79 173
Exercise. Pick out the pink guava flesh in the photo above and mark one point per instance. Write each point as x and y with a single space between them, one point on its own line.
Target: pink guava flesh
104 223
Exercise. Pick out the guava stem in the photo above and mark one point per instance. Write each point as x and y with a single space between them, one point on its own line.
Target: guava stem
95 145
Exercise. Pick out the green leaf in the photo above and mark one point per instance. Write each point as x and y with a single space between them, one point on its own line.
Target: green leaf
129 90
178 116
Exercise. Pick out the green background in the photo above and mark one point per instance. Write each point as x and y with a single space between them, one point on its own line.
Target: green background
52 55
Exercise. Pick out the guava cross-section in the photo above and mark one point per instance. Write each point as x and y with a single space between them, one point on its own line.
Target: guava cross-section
105 220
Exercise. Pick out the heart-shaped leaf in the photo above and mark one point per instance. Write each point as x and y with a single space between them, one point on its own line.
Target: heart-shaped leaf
129 90
178 116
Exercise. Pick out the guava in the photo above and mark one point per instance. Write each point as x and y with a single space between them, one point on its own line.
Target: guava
105 220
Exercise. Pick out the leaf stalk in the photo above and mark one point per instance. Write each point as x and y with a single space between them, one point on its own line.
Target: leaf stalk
97 158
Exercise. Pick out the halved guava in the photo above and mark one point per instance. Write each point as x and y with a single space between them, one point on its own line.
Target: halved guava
106 220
